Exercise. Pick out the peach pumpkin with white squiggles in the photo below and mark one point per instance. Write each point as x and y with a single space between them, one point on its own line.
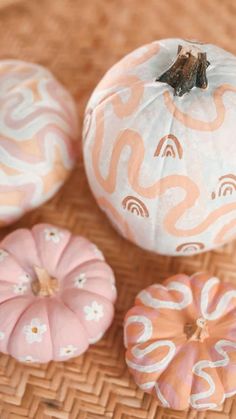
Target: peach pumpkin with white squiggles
181 342
38 137
159 149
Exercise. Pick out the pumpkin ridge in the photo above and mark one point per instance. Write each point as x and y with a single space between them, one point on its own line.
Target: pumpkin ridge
173 361
81 290
18 319
109 302
45 226
82 265
217 376
61 302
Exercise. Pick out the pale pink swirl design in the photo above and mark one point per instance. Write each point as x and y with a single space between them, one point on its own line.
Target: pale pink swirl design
38 137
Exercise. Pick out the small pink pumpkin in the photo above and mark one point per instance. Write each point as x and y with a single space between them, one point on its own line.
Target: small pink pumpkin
56 294
38 137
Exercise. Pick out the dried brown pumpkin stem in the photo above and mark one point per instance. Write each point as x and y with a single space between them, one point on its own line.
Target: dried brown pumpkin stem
45 285
188 70
197 331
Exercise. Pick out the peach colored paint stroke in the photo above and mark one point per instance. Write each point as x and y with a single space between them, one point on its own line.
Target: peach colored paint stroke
134 141
197 124
220 237
123 109
128 63
131 61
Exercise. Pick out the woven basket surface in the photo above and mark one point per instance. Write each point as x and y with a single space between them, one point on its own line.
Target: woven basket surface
79 40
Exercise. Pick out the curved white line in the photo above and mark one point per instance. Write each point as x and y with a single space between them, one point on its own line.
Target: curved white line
198 370
152 384
150 301
160 396
147 332
157 366
222 304
148 385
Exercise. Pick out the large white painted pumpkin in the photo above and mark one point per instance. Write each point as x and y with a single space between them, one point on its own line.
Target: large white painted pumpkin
38 133
159 146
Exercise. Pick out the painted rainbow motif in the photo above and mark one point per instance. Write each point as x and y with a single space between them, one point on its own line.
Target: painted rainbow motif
190 247
169 146
227 186
135 206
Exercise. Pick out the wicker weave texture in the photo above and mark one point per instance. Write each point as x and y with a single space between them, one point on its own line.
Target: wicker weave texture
79 40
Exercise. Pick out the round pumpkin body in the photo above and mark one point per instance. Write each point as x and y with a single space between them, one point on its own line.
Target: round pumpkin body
38 137
162 166
181 342
56 294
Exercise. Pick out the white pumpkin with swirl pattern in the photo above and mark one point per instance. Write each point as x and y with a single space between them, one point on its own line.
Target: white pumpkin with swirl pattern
159 146
38 137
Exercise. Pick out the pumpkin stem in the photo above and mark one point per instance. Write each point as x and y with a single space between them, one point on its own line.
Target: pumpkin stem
197 331
44 286
188 70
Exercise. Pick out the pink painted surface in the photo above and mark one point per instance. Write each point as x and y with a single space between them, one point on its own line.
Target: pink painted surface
42 328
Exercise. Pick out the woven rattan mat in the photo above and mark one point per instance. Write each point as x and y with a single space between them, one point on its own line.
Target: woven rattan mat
78 40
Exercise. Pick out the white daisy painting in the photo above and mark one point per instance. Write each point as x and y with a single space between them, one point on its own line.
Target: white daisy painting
28 359
68 350
20 288
94 312
34 331
53 234
80 280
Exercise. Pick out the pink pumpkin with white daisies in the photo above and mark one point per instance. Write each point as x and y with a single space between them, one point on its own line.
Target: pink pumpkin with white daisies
57 294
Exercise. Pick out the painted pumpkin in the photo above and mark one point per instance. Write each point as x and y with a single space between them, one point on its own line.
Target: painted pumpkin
181 341
56 294
158 146
38 137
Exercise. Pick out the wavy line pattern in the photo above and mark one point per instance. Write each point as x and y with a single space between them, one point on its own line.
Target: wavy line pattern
121 99
180 368
37 139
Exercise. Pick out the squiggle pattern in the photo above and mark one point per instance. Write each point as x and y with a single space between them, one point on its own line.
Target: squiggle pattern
37 137
123 95
133 140
146 298
157 366
147 325
199 368
196 124
155 358
223 304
